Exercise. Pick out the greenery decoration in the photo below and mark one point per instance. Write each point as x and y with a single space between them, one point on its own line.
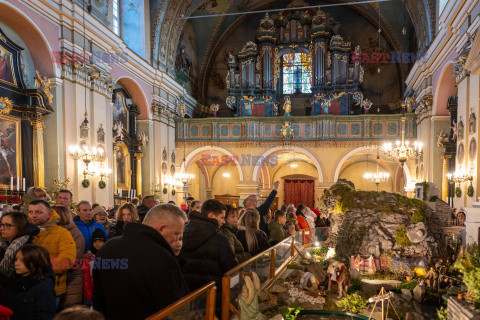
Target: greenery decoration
470 268
292 313
165 190
458 192
86 183
401 237
353 303
470 191
173 192
102 184
425 186
442 313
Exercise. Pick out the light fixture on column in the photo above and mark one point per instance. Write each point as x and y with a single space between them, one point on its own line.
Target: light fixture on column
460 176
83 153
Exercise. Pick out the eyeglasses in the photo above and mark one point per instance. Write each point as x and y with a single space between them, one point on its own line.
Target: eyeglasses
6 225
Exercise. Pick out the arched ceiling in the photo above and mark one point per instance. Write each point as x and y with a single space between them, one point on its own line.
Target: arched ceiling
167 25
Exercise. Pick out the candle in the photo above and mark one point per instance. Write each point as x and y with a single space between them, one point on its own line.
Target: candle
23 184
18 183
11 183
120 192
134 193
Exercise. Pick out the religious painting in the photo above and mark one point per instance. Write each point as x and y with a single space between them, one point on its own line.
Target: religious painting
122 166
186 58
172 169
6 67
120 111
472 149
10 150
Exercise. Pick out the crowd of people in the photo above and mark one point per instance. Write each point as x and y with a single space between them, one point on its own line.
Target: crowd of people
131 262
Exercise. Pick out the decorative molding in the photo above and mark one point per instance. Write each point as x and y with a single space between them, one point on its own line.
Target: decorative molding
5 105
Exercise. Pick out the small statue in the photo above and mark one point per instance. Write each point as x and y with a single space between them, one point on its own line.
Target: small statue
215 108
181 110
231 58
248 105
118 128
275 109
366 105
45 85
287 129
325 106
309 282
143 139
410 101
472 123
431 278
454 128
338 274
287 106
248 300
442 139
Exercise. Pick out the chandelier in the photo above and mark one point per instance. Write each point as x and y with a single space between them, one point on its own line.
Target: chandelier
459 176
403 151
376 177
184 178
83 153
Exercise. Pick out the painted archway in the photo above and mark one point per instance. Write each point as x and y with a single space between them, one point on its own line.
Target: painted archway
37 42
137 94
258 165
360 150
191 158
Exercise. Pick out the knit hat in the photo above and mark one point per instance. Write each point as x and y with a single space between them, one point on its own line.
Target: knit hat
97 210
97 234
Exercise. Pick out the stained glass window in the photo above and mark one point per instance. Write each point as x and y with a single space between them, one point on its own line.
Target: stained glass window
297 73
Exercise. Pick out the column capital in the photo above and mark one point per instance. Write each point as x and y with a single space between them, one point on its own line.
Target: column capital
138 156
445 157
37 124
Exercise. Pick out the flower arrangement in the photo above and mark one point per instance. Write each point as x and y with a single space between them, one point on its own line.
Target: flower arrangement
57 186
11 199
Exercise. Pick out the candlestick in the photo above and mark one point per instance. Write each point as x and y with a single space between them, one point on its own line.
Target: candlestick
18 183
23 184
11 183
134 193
119 192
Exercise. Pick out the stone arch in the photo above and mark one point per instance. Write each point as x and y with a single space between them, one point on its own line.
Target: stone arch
191 158
137 94
345 158
446 87
258 165
35 39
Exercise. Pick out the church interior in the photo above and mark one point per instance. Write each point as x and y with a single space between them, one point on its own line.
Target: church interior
363 112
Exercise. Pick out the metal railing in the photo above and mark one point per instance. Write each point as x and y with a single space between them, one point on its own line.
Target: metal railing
210 291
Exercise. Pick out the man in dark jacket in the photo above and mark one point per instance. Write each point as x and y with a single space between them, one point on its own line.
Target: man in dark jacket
148 203
251 202
142 275
206 254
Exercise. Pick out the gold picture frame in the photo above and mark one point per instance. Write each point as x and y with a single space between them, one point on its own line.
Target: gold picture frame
7 67
121 147
7 123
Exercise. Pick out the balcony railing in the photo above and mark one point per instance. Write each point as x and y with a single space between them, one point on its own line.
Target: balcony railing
313 128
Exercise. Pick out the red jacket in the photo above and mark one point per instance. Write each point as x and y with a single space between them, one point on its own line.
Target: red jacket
302 224
87 280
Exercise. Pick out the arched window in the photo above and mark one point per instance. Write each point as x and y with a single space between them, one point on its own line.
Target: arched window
133 21
297 73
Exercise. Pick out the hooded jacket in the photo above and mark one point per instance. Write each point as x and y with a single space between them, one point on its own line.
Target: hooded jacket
74 283
230 232
61 248
148 279
9 249
31 299
206 253
87 230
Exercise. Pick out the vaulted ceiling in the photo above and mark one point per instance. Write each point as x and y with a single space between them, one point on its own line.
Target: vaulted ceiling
167 24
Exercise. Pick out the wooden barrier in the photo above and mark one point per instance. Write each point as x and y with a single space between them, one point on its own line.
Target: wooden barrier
209 289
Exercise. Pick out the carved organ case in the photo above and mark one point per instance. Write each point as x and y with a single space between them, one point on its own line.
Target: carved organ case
295 53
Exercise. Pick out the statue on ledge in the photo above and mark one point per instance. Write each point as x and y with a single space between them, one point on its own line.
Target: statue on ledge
287 106
215 108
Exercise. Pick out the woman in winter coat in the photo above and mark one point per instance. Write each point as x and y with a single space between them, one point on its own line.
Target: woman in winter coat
254 240
30 293
126 213
101 216
15 231
229 230
74 276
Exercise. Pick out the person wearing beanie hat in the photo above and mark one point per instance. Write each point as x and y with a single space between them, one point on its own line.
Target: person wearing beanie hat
98 240
101 216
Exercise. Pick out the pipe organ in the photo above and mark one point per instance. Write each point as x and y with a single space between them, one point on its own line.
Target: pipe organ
295 53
